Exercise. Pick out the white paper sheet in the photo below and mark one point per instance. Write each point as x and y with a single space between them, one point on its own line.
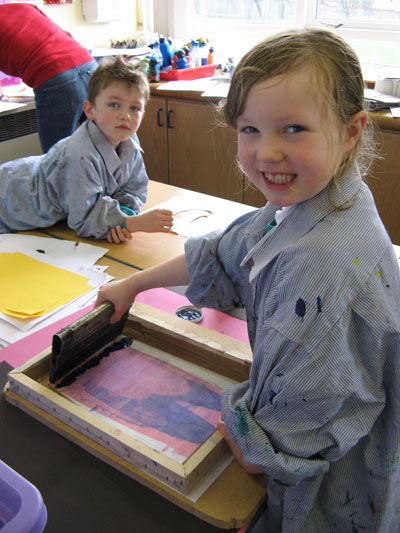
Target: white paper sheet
195 216
219 90
72 254
9 106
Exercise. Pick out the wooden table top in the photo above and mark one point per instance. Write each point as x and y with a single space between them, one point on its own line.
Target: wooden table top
148 249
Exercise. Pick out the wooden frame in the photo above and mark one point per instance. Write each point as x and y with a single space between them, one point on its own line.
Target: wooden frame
28 389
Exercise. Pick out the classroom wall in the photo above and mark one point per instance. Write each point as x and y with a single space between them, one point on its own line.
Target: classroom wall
93 35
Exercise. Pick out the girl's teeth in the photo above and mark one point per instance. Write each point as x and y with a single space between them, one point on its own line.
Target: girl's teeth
279 178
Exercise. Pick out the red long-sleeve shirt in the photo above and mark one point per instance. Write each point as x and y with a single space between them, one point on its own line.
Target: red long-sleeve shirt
33 47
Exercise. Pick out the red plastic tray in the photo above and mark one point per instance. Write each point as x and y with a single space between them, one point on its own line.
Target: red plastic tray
188 73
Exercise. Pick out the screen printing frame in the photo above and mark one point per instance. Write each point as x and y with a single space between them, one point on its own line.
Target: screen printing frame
28 389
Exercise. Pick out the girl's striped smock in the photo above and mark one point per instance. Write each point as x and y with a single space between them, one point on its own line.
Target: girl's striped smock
320 413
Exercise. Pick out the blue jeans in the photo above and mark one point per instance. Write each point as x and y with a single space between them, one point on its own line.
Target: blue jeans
59 103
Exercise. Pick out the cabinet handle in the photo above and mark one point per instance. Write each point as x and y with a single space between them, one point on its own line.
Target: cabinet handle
159 123
168 119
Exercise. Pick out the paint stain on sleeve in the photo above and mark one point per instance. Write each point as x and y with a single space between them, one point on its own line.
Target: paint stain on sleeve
241 422
372 507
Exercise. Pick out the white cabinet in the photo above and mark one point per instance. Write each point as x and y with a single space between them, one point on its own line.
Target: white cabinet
103 10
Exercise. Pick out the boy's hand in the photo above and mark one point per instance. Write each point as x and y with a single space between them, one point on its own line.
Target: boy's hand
251 469
118 235
156 220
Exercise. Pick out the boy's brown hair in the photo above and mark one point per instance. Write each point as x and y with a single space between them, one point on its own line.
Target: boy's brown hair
115 69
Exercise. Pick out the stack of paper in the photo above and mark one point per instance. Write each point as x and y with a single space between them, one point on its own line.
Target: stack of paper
377 100
42 280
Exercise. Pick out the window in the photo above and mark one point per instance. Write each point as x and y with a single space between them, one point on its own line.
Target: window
372 27
245 10
357 12
384 14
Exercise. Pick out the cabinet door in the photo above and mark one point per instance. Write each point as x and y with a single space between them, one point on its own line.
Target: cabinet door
153 139
384 182
252 196
202 155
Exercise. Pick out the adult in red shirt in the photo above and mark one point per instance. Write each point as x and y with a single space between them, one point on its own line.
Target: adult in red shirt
49 60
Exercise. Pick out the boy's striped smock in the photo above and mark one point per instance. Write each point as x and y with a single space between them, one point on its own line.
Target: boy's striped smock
82 180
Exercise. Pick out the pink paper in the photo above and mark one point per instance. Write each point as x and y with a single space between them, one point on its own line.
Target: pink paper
169 301
22 350
164 299
154 398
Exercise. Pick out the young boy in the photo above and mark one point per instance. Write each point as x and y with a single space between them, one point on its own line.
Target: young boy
95 179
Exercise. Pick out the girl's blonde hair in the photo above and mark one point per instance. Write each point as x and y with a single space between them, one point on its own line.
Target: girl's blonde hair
335 70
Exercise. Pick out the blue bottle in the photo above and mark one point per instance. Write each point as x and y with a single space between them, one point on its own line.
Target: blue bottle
158 54
154 69
181 61
165 52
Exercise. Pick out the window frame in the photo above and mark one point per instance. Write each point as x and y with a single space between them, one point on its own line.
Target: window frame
175 22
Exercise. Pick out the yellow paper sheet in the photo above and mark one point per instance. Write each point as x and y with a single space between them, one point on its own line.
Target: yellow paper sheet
31 288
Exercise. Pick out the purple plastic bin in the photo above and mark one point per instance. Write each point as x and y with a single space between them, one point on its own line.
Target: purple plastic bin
21 504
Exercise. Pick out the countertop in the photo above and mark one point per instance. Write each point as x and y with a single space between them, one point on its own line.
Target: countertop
383 119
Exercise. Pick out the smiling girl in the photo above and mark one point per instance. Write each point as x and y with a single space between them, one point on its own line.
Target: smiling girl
317 274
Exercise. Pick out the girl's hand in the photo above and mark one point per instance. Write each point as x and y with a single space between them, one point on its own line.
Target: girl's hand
118 235
122 293
156 220
251 469
117 293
